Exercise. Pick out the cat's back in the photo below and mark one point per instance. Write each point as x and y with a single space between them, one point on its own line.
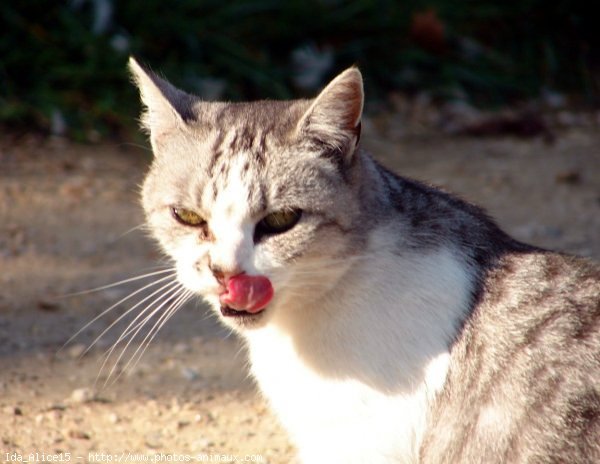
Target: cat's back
524 381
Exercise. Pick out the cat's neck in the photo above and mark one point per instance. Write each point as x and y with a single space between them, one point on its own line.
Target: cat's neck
380 338
390 314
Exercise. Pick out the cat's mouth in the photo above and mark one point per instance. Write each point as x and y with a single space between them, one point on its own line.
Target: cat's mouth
245 296
228 311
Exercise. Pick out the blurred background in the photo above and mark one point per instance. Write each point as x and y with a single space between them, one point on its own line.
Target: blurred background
63 63
498 101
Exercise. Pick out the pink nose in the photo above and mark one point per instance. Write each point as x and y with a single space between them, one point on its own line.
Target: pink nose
247 293
222 274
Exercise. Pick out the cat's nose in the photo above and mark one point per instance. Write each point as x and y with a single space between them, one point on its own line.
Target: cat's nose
221 274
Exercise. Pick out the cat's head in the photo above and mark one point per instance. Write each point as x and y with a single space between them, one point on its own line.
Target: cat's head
266 188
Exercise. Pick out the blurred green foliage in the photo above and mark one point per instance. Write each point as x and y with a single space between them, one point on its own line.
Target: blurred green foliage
63 63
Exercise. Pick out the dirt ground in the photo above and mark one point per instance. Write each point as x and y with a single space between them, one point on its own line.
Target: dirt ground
69 220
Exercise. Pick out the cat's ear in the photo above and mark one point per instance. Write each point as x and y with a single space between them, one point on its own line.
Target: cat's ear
333 119
167 108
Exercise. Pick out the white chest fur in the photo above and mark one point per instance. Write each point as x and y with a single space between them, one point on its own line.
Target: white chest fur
343 420
351 379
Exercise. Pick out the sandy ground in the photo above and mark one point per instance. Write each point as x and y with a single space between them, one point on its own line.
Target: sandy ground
69 222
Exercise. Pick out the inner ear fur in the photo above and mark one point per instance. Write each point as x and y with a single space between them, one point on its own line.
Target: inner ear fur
334 116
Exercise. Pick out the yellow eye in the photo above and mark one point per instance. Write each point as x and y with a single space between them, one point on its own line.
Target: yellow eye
187 217
279 221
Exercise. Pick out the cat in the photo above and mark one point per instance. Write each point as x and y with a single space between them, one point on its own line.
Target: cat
386 321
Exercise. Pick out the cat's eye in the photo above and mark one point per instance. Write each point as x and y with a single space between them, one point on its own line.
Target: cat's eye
187 217
277 222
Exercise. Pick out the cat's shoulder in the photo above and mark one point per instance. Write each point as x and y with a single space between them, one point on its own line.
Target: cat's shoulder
527 357
536 307
526 273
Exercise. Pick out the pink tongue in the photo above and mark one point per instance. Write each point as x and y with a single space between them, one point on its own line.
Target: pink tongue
248 293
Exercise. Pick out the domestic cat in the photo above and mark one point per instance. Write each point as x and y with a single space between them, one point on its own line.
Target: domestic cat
386 321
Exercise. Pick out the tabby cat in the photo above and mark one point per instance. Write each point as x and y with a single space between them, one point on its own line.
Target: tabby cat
386 321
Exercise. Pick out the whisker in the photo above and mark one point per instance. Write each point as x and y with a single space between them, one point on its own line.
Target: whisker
162 320
319 263
135 324
168 295
165 299
105 331
133 229
208 315
302 280
239 351
136 145
120 282
122 300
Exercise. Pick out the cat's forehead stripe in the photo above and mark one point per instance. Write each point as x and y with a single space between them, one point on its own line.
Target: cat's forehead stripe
245 140
235 184
217 151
